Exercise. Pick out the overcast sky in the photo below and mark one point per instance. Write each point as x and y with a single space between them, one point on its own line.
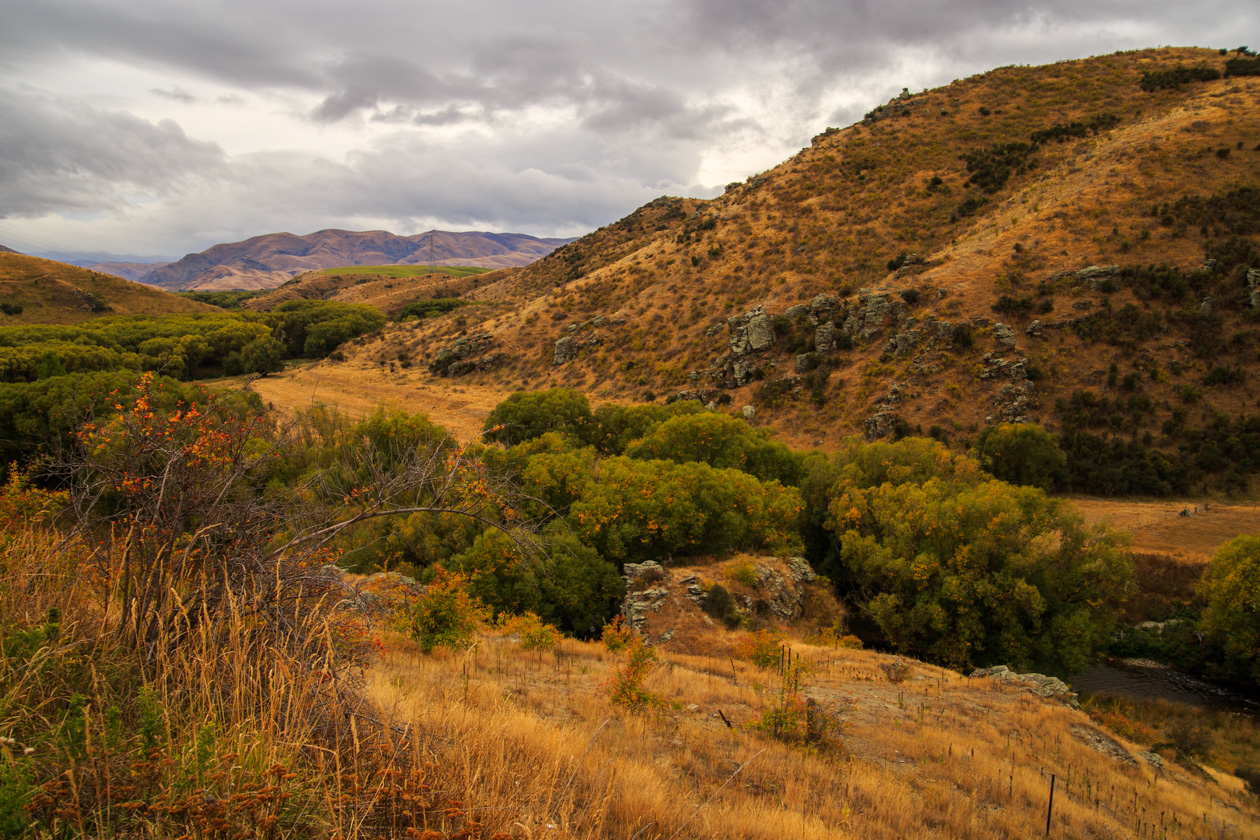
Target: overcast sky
166 126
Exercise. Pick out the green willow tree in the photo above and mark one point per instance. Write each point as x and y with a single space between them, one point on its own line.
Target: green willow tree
961 569
1231 620
1022 453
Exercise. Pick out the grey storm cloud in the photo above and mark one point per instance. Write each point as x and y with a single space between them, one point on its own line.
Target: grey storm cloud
57 155
544 117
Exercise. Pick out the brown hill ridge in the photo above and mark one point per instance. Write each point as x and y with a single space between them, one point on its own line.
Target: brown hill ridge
39 291
851 289
265 262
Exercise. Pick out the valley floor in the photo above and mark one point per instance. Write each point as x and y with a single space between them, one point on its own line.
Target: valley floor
1159 528
358 389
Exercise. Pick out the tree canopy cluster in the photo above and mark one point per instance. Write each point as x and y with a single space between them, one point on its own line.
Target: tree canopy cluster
53 378
947 560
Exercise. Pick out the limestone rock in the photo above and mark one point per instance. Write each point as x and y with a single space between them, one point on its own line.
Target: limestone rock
701 395
822 307
1034 329
751 332
825 337
1105 744
638 604
881 424
1004 335
565 350
1013 403
749 412
901 344
647 571
1050 688
999 368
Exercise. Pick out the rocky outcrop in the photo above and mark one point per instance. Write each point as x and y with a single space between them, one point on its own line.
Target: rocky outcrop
751 332
881 424
1050 688
874 311
568 347
662 602
1012 403
465 356
902 344
999 368
704 396
1004 335
1253 285
1098 740
823 308
1091 276
825 337
565 349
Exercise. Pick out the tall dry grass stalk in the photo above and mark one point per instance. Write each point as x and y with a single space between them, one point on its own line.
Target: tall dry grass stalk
214 730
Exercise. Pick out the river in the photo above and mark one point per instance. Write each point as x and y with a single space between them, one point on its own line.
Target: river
1147 682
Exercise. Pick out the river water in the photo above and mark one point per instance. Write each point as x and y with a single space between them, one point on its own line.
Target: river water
1150 682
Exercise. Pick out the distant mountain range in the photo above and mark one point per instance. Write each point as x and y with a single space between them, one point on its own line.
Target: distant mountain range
265 262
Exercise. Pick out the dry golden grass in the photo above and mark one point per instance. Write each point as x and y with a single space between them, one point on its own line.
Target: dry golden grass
534 740
1159 527
50 292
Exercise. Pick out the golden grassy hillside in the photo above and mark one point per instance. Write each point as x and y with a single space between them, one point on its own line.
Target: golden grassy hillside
895 189
389 288
532 744
51 292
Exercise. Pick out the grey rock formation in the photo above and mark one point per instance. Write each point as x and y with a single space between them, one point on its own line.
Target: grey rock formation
638 604
822 308
901 344
1034 329
1013 402
1004 335
999 368
751 332
1105 744
648 571
565 350
1091 276
881 424
825 337
1050 688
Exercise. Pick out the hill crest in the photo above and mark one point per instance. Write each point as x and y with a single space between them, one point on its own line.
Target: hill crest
871 263
40 291
267 261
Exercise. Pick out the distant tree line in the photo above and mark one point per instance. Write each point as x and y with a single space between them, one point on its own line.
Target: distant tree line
182 346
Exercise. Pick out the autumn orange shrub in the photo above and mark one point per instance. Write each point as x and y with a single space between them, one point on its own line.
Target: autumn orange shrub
763 648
